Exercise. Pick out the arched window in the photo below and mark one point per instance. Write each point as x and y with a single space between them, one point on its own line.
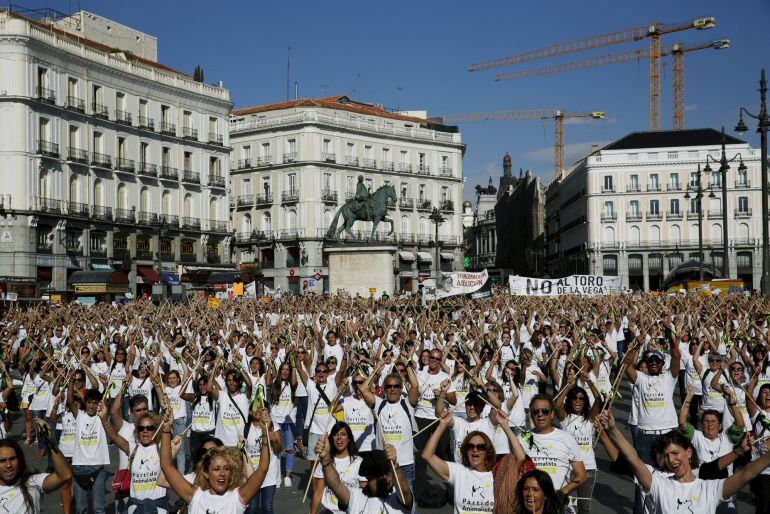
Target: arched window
213 209
144 200
188 205
655 234
676 234
716 232
74 189
291 219
44 183
609 235
98 193
122 196
634 235
267 222
246 225
743 232
404 224
423 227
694 233
165 203
327 219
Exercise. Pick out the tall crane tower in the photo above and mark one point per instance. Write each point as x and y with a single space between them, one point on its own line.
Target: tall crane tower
652 32
558 116
676 50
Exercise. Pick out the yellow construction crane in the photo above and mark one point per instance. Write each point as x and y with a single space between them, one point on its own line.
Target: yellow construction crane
652 32
558 116
677 51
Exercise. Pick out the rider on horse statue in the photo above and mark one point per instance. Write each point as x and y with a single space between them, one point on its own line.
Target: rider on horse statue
363 207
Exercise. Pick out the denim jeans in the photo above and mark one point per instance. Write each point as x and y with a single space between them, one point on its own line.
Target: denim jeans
409 473
96 493
176 429
262 503
287 434
586 490
301 410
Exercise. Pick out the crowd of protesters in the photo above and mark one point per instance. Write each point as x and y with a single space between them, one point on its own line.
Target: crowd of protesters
504 398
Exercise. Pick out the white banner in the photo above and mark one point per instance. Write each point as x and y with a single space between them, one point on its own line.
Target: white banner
584 285
462 282
251 290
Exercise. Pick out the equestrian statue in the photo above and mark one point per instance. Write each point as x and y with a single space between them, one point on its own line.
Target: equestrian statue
364 207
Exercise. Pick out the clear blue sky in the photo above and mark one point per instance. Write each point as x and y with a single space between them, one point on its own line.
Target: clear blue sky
415 54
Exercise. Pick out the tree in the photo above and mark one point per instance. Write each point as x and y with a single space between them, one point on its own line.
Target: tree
198 74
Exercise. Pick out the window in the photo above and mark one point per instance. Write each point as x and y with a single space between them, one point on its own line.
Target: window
98 193
72 88
267 222
264 151
404 157
610 264
694 179
327 183
120 101
98 142
743 204
213 126
351 186
121 148
292 182
743 178
674 180
188 161
165 114
97 94
695 205
421 161
607 183
292 146
609 209
369 184
633 182
652 156
74 137
214 167
42 79
327 146
187 120
654 183
386 154
266 186
673 155
655 207
165 157
633 157
350 150
74 189
143 108
674 206
368 152
633 208
444 194
144 152
716 179
404 190
246 188
423 193
246 152
43 129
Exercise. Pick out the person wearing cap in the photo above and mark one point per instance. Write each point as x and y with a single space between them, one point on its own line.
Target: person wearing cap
386 490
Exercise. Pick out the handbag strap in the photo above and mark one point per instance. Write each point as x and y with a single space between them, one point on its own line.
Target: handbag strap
131 457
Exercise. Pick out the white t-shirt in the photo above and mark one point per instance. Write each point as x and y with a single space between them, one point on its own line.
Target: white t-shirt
68 434
322 418
397 428
583 431
117 374
145 469
284 410
230 422
553 452
126 432
203 502
90 442
696 497
360 418
347 469
473 490
710 450
359 503
177 404
141 386
12 500
656 406
712 399
203 416
426 404
463 427
42 394
254 451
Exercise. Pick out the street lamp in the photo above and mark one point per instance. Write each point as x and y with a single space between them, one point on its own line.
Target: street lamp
763 123
437 219
698 189
723 167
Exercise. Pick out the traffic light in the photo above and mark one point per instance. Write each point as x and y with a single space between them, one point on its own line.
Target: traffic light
467 262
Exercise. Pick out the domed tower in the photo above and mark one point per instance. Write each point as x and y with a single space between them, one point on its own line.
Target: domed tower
506 165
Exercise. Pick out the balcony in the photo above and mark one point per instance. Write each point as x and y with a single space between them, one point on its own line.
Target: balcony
191 176
424 205
610 189
328 196
290 157
97 252
633 216
244 164
244 201
633 188
78 209
692 215
46 95
125 216
387 165
47 148
48 205
102 213
674 215
654 216
448 206
291 196
124 164
423 170
653 187
169 173
328 157
714 213
218 226
446 171
609 216
170 220
742 184
191 223
123 117
77 155
404 167
101 160
216 139
406 203
44 246
351 161
674 187
213 258
168 128
100 111
76 104
742 213
216 180
265 160
146 123
264 199
148 170
189 133
147 218
370 163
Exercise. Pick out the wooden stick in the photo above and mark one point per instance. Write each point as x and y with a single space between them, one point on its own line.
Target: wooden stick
315 465
392 464
428 426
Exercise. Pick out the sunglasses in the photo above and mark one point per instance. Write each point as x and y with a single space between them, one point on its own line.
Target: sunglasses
357 383
392 386
736 369
477 447
145 428
544 411
321 370
581 397
654 359
434 358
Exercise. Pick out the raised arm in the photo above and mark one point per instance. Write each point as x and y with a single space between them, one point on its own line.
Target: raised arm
181 487
252 486
331 476
436 463
638 467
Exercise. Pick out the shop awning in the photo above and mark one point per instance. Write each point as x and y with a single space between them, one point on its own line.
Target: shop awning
446 256
169 278
99 281
424 257
227 277
406 256
149 275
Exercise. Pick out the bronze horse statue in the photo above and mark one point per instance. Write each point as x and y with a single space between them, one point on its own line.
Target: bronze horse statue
377 211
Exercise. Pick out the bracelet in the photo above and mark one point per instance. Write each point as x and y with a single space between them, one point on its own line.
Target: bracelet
107 425
166 431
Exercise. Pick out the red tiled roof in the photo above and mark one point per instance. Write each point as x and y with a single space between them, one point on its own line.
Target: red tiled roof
99 46
339 102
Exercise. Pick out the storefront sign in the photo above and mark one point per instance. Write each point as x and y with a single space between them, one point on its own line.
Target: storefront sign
238 289
100 265
582 285
90 288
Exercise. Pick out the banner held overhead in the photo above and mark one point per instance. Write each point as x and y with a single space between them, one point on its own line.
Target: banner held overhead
583 285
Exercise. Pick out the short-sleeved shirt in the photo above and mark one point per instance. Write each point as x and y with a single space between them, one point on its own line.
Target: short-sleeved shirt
359 503
396 425
203 502
473 490
90 442
347 468
696 497
12 499
426 404
553 453
656 405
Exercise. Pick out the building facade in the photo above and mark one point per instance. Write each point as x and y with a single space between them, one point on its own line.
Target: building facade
108 159
629 209
295 163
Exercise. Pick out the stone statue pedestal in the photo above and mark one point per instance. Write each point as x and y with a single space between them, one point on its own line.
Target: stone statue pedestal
361 269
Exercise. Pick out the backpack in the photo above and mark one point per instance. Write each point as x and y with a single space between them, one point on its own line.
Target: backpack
403 406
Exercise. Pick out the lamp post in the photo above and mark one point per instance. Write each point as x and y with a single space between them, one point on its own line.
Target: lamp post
763 123
698 189
437 219
723 167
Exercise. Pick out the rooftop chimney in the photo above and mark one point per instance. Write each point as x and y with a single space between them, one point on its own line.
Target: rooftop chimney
594 149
